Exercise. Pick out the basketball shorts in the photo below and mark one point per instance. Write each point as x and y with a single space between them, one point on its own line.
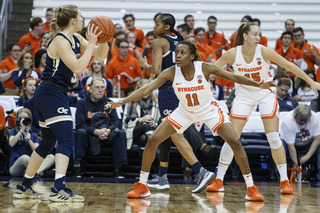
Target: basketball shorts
167 101
245 101
52 105
213 117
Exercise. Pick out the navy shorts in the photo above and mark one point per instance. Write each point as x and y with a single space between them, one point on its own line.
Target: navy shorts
168 101
52 105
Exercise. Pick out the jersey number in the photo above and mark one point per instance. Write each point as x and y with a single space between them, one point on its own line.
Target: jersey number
195 101
254 76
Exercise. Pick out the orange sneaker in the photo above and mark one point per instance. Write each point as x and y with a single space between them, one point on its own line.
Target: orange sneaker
139 205
139 190
253 194
216 186
253 207
286 187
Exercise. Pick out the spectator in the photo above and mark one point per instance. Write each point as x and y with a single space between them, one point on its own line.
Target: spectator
304 91
96 129
129 22
189 20
97 71
192 39
134 50
289 52
125 66
246 18
22 142
39 60
216 88
289 26
28 89
49 17
199 34
45 38
184 30
263 39
309 52
141 117
300 131
283 73
117 28
286 102
7 65
315 104
214 39
147 51
32 40
114 46
76 93
24 69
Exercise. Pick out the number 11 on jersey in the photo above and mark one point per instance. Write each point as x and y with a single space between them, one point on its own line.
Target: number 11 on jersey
192 101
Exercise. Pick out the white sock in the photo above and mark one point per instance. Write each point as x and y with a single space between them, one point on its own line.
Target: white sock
248 179
143 177
222 169
59 176
282 168
27 176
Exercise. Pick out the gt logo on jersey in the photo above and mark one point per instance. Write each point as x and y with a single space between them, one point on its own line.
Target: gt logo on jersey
62 110
167 111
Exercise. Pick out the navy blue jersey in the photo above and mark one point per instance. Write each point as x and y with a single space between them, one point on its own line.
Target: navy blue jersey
168 59
56 71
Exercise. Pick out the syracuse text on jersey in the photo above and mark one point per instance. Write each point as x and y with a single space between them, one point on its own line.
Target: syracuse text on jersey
190 89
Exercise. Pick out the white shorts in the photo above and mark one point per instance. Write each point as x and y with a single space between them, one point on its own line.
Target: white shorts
245 101
213 117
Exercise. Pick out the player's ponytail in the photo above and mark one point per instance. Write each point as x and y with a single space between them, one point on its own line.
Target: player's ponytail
61 18
244 28
168 19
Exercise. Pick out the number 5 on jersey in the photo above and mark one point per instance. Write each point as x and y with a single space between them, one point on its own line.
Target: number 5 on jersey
192 99
254 76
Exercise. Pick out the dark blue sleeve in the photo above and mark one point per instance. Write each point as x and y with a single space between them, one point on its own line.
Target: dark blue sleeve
109 89
34 137
20 101
81 117
17 80
220 97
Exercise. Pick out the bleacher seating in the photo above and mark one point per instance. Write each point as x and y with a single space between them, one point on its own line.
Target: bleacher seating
229 12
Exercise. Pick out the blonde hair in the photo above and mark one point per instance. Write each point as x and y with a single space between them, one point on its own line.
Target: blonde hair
244 28
24 89
20 63
103 66
25 110
61 18
144 81
303 110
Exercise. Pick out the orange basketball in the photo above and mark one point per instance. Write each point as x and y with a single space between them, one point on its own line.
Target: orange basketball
105 25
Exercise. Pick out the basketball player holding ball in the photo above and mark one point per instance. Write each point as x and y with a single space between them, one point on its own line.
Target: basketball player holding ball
63 63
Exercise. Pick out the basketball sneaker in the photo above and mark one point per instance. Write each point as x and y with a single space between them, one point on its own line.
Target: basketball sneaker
139 205
64 195
139 190
203 179
253 207
253 194
23 192
216 186
286 187
158 182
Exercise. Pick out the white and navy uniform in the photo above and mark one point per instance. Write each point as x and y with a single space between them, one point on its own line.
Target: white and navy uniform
196 102
51 95
247 97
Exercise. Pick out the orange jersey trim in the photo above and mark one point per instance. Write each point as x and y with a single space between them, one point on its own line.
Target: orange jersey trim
221 121
173 122
274 111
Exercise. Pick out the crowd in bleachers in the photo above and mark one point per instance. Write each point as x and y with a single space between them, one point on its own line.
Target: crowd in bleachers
123 71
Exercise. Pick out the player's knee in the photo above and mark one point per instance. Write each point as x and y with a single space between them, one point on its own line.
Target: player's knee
274 140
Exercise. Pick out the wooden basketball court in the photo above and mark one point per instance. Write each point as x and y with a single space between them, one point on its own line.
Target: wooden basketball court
101 196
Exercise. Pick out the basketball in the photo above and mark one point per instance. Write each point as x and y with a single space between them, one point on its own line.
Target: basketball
105 25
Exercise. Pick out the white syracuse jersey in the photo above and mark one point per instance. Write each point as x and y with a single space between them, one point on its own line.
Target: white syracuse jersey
257 69
193 95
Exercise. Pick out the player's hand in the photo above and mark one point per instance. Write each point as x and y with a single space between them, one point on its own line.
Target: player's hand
142 61
315 87
111 105
92 33
267 85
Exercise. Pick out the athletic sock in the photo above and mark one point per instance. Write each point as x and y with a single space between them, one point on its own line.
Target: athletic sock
282 168
27 181
144 177
60 181
222 169
248 179
196 167
162 171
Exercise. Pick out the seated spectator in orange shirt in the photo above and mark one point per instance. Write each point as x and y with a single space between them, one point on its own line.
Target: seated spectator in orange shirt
289 52
309 52
147 51
192 39
24 70
129 22
39 60
189 20
263 39
214 39
49 17
32 41
134 50
124 66
199 34
184 30
246 18
114 47
8 64
289 26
